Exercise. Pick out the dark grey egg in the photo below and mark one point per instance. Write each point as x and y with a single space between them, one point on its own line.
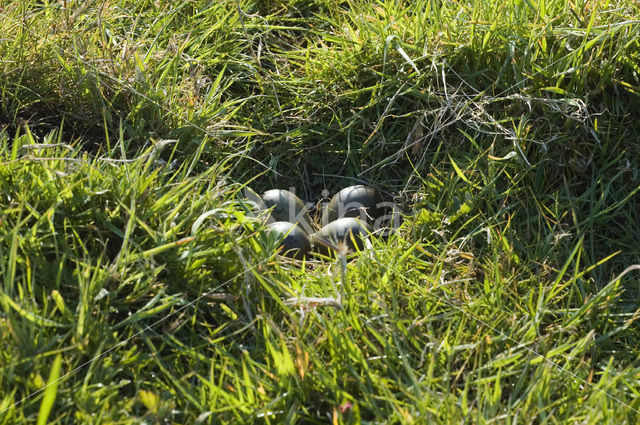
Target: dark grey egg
354 201
251 195
286 207
255 205
346 230
293 240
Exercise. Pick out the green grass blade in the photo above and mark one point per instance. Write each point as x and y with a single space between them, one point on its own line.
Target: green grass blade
50 392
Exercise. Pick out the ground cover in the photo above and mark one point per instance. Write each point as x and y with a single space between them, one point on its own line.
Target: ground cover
507 133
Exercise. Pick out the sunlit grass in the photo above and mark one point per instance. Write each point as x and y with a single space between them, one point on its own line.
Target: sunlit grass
506 133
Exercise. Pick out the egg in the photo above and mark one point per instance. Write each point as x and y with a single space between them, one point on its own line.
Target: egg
287 207
346 230
255 205
359 201
293 240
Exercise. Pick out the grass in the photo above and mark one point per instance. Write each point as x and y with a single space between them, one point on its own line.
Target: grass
506 132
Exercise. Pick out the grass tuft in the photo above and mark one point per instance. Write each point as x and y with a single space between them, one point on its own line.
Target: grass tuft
505 132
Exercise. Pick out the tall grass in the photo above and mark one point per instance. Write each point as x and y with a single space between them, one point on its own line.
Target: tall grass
506 132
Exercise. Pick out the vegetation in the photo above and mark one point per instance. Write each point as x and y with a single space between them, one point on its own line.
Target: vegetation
137 288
